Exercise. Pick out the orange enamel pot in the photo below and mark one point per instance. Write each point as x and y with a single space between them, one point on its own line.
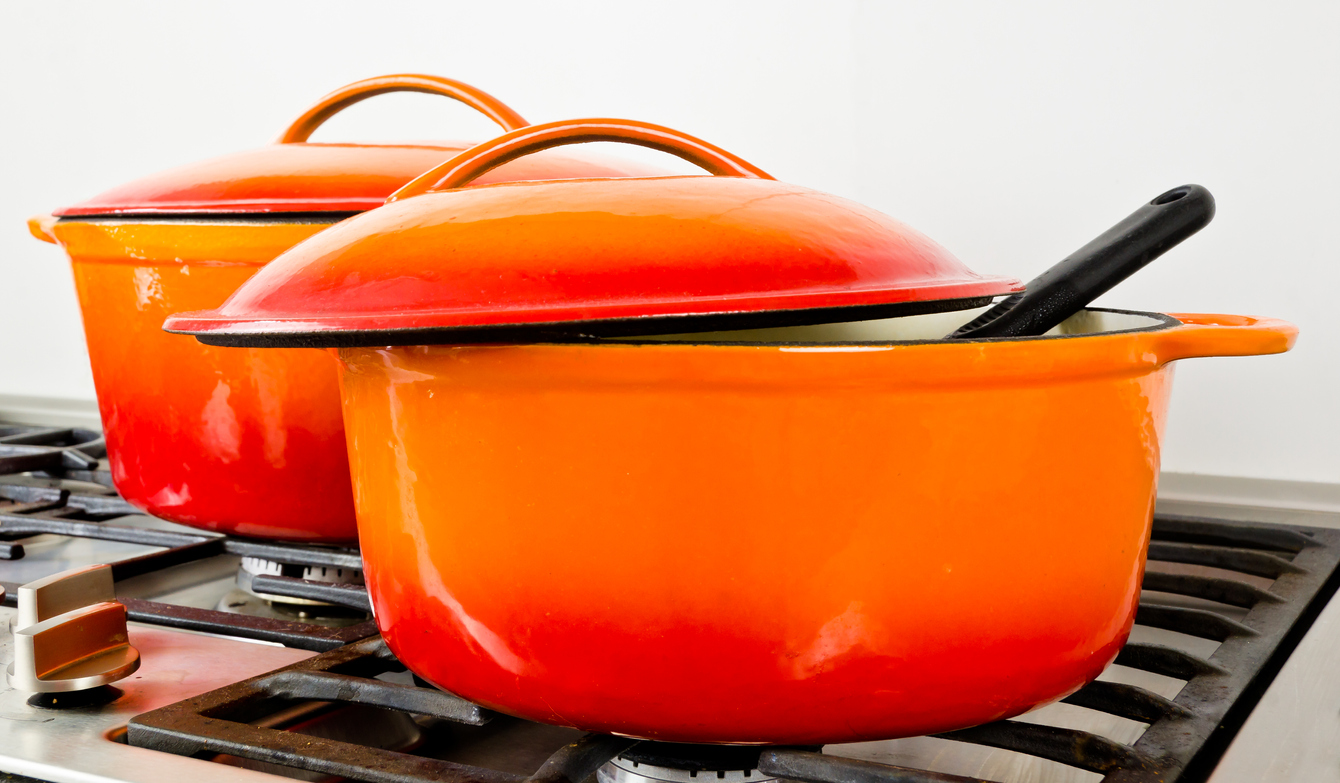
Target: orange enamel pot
798 542
802 534
238 440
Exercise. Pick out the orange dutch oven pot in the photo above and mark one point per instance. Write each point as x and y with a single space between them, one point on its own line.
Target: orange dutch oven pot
240 441
784 535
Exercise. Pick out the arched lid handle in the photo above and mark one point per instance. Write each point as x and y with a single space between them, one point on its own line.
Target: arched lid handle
474 162
303 127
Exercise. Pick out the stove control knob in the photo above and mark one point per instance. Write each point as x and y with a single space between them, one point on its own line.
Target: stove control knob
71 634
63 592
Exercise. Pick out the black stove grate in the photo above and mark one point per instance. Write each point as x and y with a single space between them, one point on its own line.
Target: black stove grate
59 449
1185 738
56 483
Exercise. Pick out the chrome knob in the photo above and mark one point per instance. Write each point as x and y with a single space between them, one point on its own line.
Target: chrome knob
71 633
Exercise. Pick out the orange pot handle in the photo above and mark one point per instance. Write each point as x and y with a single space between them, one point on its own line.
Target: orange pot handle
1209 334
464 168
41 227
348 95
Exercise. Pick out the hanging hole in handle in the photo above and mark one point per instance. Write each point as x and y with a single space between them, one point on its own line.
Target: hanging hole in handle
1171 196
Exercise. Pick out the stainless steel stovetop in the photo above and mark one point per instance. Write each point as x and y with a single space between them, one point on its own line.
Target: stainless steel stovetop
1292 733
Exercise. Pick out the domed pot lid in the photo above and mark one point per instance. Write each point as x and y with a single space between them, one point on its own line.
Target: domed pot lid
296 176
442 263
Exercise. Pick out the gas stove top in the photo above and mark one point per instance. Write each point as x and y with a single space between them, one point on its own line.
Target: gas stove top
260 662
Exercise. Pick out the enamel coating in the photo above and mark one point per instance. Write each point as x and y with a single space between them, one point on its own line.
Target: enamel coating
291 176
578 251
302 128
591 250
778 544
240 441
235 440
305 178
482 158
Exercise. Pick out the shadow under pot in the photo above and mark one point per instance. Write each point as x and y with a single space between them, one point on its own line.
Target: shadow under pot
685 458
237 440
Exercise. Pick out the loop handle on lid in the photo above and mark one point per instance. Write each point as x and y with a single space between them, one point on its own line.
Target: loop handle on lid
474 162
303 127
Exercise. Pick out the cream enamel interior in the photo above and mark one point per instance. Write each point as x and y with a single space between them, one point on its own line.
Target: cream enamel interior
932 326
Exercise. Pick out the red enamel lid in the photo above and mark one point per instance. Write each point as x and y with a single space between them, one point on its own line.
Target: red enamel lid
292 175
441 263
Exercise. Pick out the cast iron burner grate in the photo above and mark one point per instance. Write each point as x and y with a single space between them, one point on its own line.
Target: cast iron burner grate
1185 738
65 450
53 481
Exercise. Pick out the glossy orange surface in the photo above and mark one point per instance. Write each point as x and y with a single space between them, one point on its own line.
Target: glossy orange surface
291 176
238 440
520 142
302 128
780 543
316 177
234 440
573 252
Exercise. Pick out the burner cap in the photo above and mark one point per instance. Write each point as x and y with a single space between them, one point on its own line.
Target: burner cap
257 566
624 770
670 762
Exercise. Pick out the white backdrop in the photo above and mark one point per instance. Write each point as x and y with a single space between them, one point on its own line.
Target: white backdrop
1010 132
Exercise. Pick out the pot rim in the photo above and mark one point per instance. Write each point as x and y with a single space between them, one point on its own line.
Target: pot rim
1163 322
1171 337
1168 337
551 334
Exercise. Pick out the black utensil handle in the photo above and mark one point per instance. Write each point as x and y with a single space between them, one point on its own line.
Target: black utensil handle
1091 271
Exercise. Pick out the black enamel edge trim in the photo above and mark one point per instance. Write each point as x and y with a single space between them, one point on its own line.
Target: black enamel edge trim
585 331
213 217
600 332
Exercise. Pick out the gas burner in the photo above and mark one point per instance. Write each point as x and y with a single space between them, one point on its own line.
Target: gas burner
251 604
659 762
621 770
253 567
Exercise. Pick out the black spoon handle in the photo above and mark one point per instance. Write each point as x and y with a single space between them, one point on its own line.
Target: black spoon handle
1091 271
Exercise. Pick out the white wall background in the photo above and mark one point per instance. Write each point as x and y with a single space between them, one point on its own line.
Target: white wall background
1010 132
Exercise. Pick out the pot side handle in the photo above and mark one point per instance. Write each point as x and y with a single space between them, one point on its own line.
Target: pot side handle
1210 334
303 127
41 227
476 161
